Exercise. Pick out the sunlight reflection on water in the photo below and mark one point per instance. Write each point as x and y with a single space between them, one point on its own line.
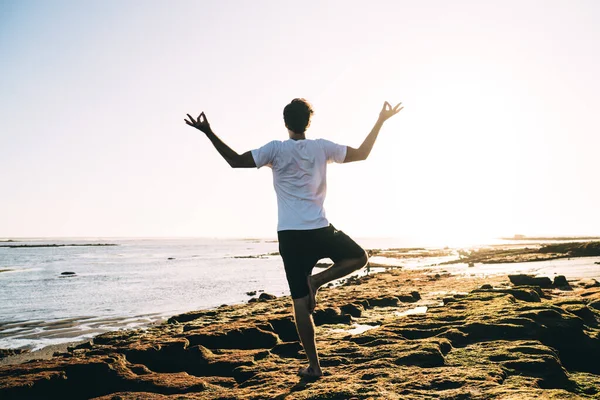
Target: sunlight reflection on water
412 311
357 329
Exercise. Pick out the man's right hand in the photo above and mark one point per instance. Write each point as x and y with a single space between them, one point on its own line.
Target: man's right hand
201 123
387 111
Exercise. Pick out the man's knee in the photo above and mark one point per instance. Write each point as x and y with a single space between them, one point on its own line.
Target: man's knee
363 260
358 261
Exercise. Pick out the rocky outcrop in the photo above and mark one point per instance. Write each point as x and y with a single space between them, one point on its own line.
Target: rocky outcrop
479 339
10 352
530 280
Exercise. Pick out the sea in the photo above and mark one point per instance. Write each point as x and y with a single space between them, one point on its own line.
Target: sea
67 290
64 293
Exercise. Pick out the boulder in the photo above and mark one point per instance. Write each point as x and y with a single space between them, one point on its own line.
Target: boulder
266 296
560 282
530 280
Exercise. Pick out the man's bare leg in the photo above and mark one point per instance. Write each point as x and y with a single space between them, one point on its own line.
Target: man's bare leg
336 271
306 331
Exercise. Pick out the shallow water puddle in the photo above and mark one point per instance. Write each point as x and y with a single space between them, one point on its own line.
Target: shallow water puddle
356 329
412 311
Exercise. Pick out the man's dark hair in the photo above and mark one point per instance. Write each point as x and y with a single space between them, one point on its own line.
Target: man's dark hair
296 115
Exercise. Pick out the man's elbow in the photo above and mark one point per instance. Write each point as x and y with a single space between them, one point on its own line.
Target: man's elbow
362 156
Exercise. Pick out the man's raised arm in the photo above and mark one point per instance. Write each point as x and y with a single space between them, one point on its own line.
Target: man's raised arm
364 150
234 159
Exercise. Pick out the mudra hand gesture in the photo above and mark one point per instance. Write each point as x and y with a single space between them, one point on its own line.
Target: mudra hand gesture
201 123
387 111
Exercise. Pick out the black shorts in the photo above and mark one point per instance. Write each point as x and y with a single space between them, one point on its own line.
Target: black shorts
301 249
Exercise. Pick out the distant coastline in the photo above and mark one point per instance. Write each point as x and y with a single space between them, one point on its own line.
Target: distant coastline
58 245
557 238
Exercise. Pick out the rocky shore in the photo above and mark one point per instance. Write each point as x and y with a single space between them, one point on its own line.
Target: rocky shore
393 335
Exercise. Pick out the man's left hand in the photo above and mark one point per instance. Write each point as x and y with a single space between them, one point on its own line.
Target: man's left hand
201 123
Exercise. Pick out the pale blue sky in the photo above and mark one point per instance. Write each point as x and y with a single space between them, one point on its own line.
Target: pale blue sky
499 134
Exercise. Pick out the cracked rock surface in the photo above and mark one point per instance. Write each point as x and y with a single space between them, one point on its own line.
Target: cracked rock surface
394 335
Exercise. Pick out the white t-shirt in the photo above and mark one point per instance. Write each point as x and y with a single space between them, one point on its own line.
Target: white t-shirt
300 179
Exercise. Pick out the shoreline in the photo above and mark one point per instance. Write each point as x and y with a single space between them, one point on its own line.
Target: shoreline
45 353
408 258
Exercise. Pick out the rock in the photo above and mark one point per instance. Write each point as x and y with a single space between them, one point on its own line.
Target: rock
266 296
191 316
288 350
248 338
253 300
354 310
67 273
252 293
84 345
331 315
589 283
411 297
425 357
388 301
486 286
560 282
583 312
11 352
573 249
170 258
530 280
285 328
523 294
595 305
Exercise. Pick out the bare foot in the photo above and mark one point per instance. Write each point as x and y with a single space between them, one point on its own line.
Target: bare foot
312 299
310 372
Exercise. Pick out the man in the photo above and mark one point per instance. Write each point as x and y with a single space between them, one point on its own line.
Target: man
305 235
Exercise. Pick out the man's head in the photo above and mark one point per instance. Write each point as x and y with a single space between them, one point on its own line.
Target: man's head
296 115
